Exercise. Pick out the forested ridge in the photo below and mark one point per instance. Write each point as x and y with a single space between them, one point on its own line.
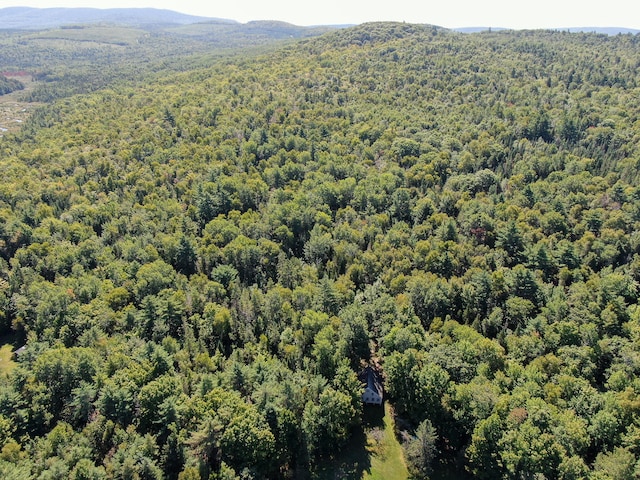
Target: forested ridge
8 85
200 264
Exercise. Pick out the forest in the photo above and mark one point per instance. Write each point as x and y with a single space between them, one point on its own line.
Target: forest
8 85
199 253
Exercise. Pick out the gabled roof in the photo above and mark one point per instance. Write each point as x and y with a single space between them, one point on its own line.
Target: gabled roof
372 380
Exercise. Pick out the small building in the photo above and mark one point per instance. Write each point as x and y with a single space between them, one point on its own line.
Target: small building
372 387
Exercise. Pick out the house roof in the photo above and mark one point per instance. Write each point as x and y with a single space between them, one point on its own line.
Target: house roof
372 380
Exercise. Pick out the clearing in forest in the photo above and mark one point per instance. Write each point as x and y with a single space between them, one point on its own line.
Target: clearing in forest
374 453
387 459
6 362
14 111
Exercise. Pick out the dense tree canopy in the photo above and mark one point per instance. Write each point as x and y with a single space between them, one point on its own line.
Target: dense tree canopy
8 85
200 263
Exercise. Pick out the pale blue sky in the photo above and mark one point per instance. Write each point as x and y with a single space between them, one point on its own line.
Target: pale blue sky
446 13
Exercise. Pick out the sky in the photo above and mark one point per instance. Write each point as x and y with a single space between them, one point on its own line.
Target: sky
446 13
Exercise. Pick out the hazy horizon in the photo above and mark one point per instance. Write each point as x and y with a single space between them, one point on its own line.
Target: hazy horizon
454 14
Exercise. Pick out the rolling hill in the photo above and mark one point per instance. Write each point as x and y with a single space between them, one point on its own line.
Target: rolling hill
200 253
26 18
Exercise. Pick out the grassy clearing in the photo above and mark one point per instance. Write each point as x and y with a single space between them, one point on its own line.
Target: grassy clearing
387 459
374 453
13 111
8 343
6 358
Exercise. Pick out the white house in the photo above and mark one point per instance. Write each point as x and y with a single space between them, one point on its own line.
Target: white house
373 387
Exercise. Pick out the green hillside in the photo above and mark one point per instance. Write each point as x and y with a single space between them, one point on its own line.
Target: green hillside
8 85
27 18
84 57
202 252
95 35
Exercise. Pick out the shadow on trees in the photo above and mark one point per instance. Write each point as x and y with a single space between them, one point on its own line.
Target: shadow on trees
354 459
350 465
373 416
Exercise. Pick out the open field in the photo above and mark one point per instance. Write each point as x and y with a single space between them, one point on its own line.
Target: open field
387 459
6 354
13 111
373 454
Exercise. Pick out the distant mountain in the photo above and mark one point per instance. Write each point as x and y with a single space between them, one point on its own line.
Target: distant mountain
605 30
221 33
26 18
477 29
